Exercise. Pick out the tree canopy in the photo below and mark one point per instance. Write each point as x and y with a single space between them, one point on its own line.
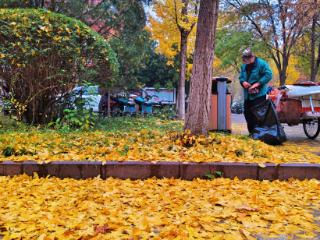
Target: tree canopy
122 23
278 24
165 27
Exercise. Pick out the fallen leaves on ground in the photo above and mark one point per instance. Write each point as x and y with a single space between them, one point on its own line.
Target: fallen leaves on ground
145 145
51 208
311 146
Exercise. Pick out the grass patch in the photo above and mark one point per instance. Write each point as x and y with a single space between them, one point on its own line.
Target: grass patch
114 124
128 124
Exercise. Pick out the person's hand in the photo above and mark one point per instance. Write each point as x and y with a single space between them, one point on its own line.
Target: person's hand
246 85
253 91
254 88
255 85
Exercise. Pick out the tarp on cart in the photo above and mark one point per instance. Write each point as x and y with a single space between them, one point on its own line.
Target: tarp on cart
301 91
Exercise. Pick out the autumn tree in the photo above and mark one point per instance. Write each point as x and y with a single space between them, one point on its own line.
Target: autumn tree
230 43
122 23
278 23
197 119
315 41
43 55
307 63
306 51
174 23
156 72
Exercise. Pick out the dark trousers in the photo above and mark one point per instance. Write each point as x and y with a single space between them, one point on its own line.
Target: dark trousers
250 118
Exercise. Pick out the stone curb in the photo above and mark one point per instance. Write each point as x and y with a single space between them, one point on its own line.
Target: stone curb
144 170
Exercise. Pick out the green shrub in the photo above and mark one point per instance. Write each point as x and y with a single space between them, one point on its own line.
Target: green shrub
15 3
165 112
43 55
11 124
82 119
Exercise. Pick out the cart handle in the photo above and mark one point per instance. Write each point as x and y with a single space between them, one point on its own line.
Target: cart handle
311 104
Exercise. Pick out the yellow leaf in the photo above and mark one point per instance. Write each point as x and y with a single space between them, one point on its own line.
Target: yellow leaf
246 234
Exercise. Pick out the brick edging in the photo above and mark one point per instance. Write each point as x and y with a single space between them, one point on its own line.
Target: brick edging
143 170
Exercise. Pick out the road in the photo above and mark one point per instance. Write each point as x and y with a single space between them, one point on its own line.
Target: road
294 134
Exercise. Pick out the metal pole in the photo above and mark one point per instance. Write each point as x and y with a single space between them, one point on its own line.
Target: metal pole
222 104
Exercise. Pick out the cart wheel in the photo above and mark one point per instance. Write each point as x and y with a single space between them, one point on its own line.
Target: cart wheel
311 127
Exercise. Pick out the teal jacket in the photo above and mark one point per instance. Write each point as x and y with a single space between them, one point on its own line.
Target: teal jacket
261 73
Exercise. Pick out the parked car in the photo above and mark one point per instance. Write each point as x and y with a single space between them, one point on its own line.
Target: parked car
90 95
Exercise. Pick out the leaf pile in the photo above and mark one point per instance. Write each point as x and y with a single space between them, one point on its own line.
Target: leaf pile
145 145
51 208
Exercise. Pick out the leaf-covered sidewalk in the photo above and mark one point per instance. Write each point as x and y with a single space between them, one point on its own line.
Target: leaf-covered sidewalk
51 208
145 145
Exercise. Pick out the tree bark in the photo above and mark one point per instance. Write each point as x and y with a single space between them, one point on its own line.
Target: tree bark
283 69
109 104
182 78
283 76
184 33
197 120
314 59
318 61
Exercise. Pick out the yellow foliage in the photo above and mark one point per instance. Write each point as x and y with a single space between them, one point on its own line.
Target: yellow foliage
217 63
293 72
145 145
164 27
51 208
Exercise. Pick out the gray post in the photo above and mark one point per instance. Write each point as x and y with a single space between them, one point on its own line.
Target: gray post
222 104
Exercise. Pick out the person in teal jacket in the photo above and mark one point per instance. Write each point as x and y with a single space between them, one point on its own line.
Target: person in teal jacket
254 77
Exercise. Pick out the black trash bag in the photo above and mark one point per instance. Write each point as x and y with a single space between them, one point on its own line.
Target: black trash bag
268 129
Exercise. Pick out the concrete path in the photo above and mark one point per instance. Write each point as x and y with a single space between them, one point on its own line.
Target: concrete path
294 134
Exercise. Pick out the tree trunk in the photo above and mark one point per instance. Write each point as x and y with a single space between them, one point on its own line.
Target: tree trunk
177 101
109 104
317 62
283 75
313 60
282 69
197 120
313 49
182 77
